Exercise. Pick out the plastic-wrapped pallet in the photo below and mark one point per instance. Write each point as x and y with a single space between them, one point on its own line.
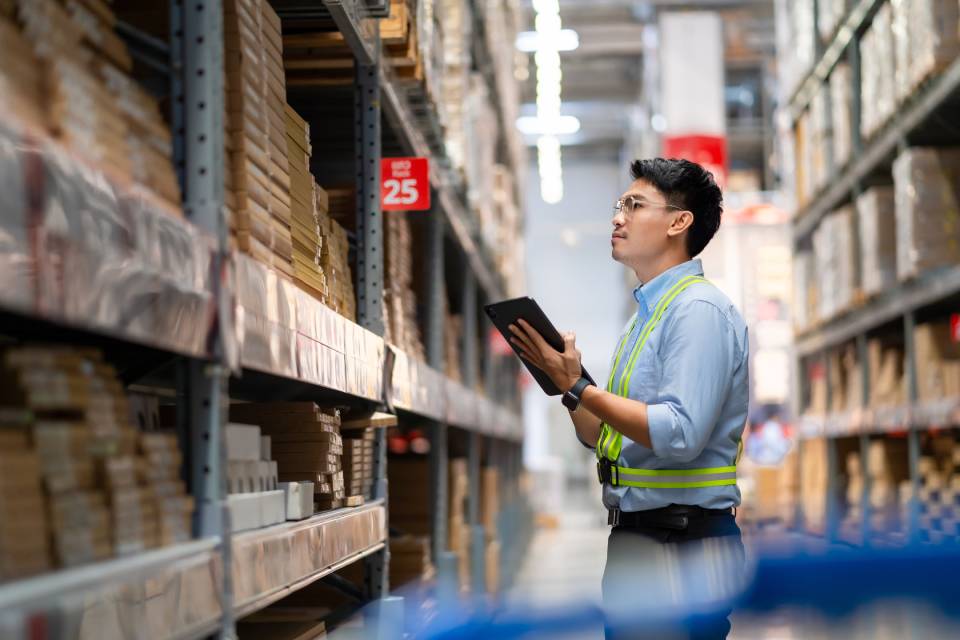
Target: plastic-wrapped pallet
803 41
877 89
876 219
841 107
480 147
927 209
835 247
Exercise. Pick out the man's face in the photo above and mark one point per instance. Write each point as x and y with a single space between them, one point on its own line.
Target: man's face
640 226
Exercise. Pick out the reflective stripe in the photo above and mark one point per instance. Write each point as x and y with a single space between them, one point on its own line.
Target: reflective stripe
673 478
710 471
610 443
644 484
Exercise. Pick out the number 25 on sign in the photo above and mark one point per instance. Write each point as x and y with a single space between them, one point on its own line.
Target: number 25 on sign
404 184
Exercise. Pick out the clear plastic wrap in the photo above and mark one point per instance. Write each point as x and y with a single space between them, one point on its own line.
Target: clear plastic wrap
927 209
266 561
99 255
16 254
876 220
167 593
266 318
819 140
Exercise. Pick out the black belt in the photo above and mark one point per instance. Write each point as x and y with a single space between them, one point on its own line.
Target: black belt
675 516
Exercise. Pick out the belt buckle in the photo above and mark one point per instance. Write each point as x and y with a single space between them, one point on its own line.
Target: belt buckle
615 517
604 471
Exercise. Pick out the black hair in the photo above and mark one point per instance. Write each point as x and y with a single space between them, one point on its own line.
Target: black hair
687 185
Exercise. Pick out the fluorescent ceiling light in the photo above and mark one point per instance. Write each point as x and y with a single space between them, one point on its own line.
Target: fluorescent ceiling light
563 40
559 126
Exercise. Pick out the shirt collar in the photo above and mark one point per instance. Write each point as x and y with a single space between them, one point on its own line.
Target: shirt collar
649 293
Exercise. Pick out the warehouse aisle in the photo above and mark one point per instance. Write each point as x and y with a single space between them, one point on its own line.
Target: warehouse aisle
564 564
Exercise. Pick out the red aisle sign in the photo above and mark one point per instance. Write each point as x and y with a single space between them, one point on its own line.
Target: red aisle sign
404 184
709 151
955 327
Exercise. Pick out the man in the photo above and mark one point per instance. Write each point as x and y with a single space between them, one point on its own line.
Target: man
667 428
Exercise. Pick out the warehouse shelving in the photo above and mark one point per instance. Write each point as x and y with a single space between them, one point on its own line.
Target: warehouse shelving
924 118
213 351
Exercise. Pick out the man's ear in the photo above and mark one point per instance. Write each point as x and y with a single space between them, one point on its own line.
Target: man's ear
681 223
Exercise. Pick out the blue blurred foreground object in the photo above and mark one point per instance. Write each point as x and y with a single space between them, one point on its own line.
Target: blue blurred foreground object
849 589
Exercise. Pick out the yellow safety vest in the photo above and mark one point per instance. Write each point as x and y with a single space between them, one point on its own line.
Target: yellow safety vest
610 442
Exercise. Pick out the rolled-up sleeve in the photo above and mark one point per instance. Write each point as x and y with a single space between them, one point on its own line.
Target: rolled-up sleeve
699 354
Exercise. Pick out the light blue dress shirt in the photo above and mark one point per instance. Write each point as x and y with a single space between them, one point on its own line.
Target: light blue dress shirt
692 373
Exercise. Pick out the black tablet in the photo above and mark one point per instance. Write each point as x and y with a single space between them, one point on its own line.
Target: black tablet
505 313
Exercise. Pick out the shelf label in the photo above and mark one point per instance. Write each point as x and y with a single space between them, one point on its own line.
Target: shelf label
405 184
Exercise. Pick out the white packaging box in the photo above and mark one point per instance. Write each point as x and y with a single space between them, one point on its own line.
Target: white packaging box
299 499
273 508
265 448
244 511
243 441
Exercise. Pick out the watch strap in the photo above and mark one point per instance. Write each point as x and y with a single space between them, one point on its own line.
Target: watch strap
579 386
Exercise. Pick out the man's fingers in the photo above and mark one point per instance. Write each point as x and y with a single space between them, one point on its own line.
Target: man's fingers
534 335
524 349
524 337
569 341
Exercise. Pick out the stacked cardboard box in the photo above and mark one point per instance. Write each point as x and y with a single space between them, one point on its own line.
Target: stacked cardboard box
884 470
258 179
452 335
24 524
877 86
255 500
108 491
92 103
876 217
925 38
410 502
457 26
490 516
887 382
358 448
458 532
159 465
813 484
304 198
927 209
305 442
334 205
841 111
400 302
21 90
410 560
836 251
937 357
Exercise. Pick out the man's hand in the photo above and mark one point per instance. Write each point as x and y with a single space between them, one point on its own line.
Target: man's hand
563 368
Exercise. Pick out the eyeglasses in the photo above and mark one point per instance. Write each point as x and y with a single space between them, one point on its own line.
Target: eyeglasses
632 204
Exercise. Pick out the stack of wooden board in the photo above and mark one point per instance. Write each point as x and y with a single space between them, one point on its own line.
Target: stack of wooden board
306 444
304 198
107 489
400 302
24 523
258 179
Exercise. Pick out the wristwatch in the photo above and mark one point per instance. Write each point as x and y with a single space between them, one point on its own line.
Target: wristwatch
571 399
